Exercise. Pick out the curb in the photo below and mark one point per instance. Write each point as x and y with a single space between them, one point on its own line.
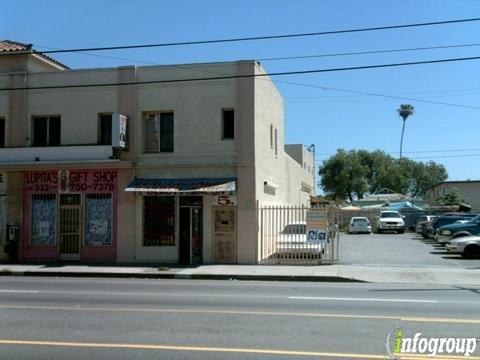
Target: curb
299 278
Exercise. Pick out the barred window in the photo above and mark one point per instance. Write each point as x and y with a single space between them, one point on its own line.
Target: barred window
98 219
158 221
43 223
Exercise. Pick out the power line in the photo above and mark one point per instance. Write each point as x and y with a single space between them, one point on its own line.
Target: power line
269 37
373 94
314 71
368 52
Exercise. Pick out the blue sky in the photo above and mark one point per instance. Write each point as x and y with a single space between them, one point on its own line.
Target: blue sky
327 118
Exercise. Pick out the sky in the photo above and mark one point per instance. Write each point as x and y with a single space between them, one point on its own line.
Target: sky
320 108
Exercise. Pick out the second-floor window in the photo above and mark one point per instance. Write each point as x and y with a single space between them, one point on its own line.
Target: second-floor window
105 129
46 131
228 124
158 132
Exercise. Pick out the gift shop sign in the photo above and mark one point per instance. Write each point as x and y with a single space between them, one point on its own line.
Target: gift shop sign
70 181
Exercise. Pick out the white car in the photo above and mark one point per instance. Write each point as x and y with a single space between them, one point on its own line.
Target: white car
467 246
390 220
359 224
293 240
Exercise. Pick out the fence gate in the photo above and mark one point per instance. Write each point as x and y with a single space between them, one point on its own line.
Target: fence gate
70 226
297 235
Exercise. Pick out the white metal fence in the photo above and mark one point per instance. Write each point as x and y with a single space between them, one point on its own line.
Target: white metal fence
297 235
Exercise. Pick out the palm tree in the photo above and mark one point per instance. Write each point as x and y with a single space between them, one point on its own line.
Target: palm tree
404 111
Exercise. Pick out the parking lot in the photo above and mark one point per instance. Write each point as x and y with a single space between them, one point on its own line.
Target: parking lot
391 249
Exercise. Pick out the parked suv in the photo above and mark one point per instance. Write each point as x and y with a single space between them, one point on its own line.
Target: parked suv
447 232
445 219
390 221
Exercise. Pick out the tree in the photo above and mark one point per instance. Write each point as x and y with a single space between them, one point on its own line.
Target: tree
404 111
343 176
452 197
354 173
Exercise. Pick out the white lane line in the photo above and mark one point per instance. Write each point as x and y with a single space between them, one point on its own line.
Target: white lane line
19 291
360 299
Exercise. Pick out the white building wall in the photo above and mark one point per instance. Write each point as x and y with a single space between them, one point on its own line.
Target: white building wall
278 176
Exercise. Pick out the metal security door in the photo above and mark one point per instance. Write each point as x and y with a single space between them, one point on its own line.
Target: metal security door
225 234
70 226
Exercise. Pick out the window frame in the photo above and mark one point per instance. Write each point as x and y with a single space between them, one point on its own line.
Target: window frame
48 130
157 115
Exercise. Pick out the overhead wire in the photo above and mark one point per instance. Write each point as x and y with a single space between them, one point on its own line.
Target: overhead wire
267 37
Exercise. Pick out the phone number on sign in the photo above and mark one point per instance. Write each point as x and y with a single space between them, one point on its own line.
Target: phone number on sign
94 187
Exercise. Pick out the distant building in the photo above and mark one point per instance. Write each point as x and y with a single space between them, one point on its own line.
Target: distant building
470 189
381 197
159 170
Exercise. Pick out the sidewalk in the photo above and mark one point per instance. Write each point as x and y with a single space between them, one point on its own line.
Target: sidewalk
334 273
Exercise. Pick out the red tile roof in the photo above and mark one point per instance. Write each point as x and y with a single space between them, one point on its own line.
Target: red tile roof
12 47
7 45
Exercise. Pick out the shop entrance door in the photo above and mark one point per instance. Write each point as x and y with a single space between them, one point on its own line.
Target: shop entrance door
191 230
70 226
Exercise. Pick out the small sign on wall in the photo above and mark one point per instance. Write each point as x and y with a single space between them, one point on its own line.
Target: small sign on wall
119 131
224 200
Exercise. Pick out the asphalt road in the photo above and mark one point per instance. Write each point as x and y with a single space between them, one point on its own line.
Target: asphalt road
72 318
390 249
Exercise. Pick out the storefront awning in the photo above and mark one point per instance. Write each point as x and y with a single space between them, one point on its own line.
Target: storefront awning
193 186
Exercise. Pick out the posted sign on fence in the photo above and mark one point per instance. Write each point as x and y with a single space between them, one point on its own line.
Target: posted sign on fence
317 225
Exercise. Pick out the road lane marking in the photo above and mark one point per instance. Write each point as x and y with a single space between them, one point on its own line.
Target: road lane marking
242 313
19 291
190 348
360 299
218 349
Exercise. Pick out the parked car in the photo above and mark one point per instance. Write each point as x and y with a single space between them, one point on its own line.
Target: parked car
468 246
359 224
445 219
422 221
447 232
390 220
292 241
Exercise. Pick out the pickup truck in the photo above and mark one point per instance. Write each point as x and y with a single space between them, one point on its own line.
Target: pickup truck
447 232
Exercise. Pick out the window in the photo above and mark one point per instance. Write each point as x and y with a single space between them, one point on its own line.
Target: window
46 131
105 129
98 219
43 222
228 124
159 132
276 142
158 221
2 132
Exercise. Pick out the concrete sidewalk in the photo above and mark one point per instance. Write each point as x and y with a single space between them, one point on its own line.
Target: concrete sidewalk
335 273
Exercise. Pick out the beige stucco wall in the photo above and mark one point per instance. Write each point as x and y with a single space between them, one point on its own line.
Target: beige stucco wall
280 170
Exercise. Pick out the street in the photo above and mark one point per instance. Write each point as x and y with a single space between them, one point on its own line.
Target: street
79 318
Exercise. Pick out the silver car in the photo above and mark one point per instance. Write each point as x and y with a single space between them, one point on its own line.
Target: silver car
359 225
467 246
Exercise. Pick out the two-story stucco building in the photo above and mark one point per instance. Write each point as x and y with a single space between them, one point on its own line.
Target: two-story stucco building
142 164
